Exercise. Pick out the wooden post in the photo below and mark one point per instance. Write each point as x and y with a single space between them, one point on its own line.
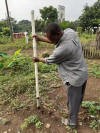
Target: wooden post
26 37
98 40
10 25
35 55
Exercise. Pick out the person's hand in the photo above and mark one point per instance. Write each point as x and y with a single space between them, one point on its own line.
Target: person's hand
36 37
36 59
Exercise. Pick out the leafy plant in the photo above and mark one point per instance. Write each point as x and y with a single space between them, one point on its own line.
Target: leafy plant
93 109
39 124
95 124
71 130
17 63
3 54
16 104
44 68
95 70
91 106
31 120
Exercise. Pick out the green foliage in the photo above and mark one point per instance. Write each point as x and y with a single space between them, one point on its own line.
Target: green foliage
24 25
95 70
44 68
17 73
21 26
3 54
87 104
87 38
39 124
79 30
67 24
39 25
16 104
17 63
6 31
64 25
17 77
91 105
71 130
6 44
4 40
93 109
32 120
90 17
49 14
95 125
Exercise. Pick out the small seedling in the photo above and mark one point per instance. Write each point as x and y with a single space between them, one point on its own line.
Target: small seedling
39 124
31 120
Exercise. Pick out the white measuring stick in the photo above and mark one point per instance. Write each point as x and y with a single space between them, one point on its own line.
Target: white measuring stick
35 64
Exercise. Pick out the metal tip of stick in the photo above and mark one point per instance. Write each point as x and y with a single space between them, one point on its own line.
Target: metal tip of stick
39 108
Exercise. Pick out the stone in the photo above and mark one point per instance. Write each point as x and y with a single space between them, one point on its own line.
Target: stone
47 125
5 132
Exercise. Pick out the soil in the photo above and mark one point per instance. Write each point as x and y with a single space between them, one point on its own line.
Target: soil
50 115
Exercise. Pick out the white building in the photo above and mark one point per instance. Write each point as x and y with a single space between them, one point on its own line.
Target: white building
61 13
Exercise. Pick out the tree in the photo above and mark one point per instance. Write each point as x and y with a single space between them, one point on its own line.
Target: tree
90 17
6 31
49 14
68 24
39 25
13 23
2 24
79 30
24 25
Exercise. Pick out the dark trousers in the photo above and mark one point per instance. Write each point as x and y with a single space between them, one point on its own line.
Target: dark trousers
75 97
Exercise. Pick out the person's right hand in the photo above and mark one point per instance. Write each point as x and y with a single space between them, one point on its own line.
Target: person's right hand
36 37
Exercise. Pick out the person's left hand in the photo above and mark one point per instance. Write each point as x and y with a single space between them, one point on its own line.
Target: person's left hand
36 59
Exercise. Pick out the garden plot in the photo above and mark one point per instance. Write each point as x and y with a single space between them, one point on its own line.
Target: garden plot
18 112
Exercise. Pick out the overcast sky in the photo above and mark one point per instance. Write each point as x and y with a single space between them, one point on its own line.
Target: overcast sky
20 9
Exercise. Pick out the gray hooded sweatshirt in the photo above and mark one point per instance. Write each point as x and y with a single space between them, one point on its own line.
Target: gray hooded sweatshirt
69 58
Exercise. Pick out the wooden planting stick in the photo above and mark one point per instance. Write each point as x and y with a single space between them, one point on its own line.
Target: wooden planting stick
35 55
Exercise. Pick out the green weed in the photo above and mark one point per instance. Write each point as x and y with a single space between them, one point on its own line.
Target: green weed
95 125
87 38
95 70
16 104
31 120
93 109
17 77
71 130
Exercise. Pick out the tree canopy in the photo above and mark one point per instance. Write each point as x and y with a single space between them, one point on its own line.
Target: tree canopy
90 17
49 14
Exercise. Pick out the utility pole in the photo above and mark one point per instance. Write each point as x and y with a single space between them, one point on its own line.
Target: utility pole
10 25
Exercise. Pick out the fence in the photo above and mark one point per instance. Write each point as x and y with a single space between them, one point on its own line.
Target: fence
90 52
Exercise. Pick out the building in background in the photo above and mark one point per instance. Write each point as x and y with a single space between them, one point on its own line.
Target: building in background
61 13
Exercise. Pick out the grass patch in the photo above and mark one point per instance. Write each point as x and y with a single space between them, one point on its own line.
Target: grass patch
6 44
87 38
95 70
17 78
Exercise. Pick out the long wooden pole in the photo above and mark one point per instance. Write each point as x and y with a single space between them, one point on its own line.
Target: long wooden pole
35 55
10 25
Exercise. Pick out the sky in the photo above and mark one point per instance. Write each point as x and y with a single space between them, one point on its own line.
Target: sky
21 9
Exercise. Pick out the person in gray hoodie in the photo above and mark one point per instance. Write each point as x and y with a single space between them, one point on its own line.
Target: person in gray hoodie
71 66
